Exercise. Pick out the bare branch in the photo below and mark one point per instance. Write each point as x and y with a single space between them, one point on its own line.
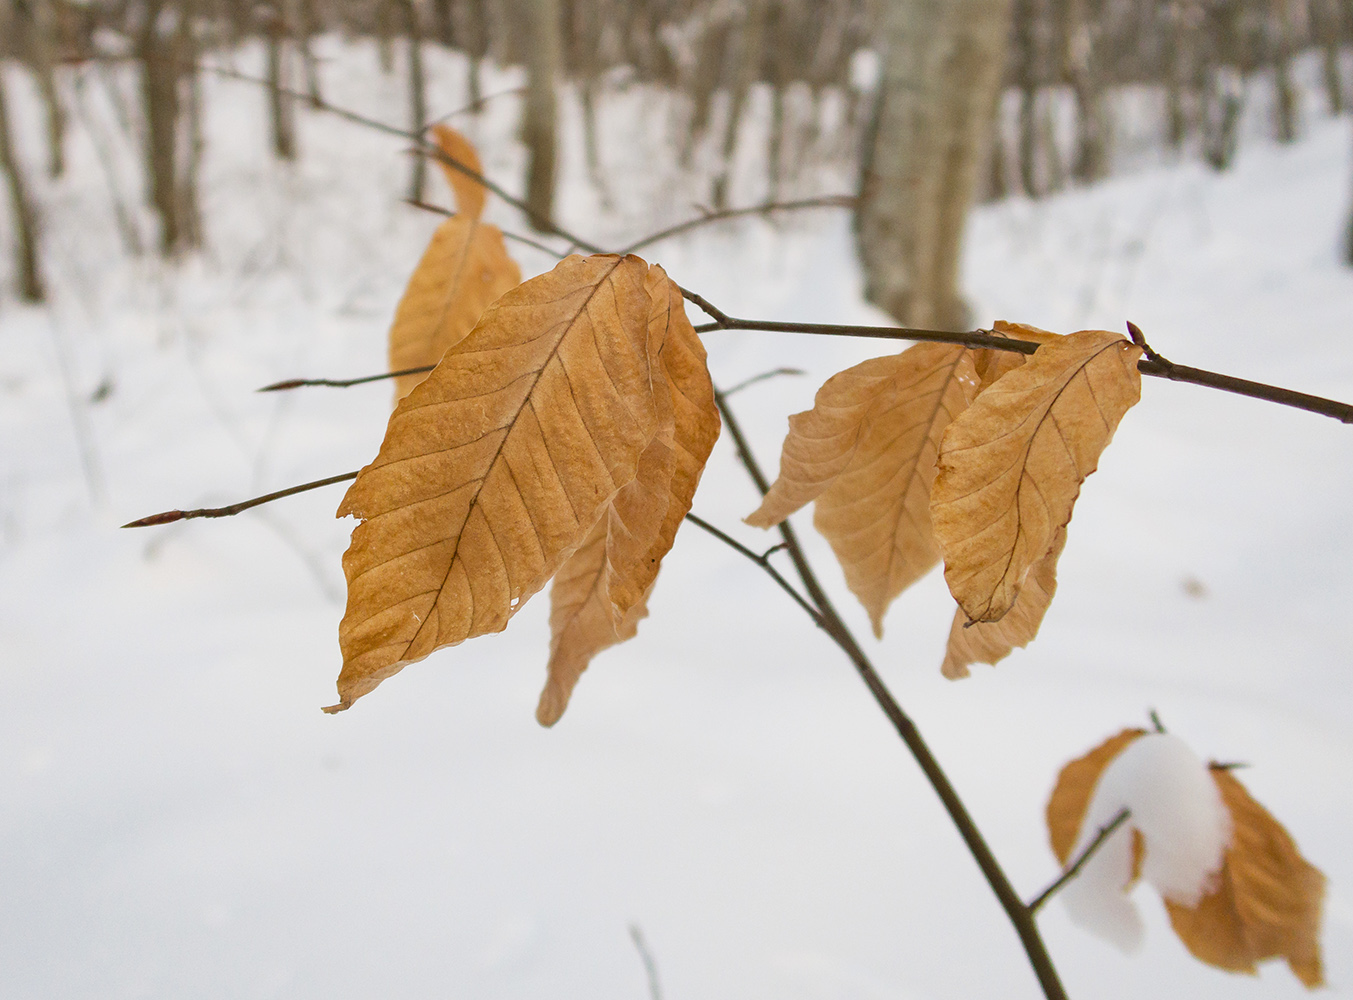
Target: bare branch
169 516
1073 869
705 218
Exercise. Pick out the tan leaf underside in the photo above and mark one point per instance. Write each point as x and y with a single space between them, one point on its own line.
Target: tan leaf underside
991 642
464 269
1268 900
1012 464
470 194
497 466
866 454
615 570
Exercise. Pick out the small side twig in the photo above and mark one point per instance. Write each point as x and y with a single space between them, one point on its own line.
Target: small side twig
705 218
1073 869
650 965
762 560
773 373
342 383
169 516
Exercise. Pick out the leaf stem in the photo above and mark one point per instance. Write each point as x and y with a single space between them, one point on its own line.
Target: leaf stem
1073 869
830 621
169 516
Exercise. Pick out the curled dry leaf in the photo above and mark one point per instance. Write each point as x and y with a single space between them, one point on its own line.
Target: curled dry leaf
1266 900
463 270
866 454
1011 466
991 642
470 194
498 466
601 592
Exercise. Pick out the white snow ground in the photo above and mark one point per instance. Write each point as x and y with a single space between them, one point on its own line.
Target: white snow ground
178 820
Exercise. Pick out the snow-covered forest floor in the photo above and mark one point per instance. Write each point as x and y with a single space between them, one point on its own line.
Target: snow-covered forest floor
178 819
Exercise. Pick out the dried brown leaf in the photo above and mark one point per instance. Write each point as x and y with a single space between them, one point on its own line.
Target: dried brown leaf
1075 787
991 642
470 194
464 269
498 466
1012 464
866 454
1268 900
601 592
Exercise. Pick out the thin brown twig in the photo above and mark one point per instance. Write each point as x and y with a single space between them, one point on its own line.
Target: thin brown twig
773 373
342 383
169 516
1074 868
516 237
826 201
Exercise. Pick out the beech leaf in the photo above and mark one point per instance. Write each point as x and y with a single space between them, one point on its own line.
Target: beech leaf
463 270
1012 464
470 194
991 642
1268 901
498 466
601 592
865 453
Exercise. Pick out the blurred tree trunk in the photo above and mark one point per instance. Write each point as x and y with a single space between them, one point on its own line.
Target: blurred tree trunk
418 105
748 69
281 112
309 25
539 124
1287 98
1328 32
923 153
156 52
37 35
21 210
1092 112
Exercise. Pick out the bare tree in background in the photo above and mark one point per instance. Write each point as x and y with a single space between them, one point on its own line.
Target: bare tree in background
165 50
21 210
281 113
539 125
418 105
942 68
35 26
